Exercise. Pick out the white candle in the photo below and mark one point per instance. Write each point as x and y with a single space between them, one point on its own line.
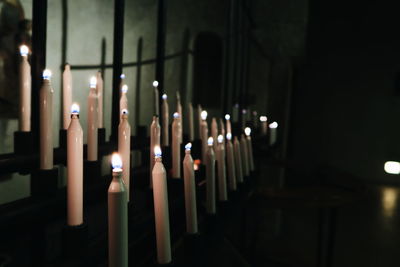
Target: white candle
25 91
245 156
100 102
221 128
165 120
273 127
190 122
117 217
210 178
46 122
121 82
199 110
228 123
124 148
156 99
238 160
123 100
190 192
204 134
92 140
214 132
231 163
247 131
155 132
161 213
223 195
179 110
74 169
264 125
176 152
67 96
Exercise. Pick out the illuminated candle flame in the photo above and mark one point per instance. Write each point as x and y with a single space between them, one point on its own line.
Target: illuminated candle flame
47 74
176 115
247 131
124 88
155 84
116 161
93 82
75 108
263 118
229 136
392 167
273 125
164 96
124 112
203 115
210 141
227 117
220 138
122 76
244 111
24 50
188 146
157 151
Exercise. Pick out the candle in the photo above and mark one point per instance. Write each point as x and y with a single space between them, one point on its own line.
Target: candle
74 169
92 141
214 132
156 99
199 110
231 162
228 123
190 191
273 127
124 148
155 131
99 90
46 122
264 125
235 113
176 153
204 134
190 122
245 156
244 118
24 91
221 127
123 100
161 213
247 131
117 217
210 178
165 120
179 110
238 160
67 96
223 196
121 83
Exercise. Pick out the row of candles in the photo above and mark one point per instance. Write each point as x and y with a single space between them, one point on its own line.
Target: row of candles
234 159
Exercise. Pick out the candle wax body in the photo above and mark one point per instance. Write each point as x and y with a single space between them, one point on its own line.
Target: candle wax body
250 151
245 156
124 149
99 91
67 96
46 124
199 120
223 196
165 122
179 110
92 140
74 172
231 166
228 126
190 194
190 122
238 160
264 128
25 95
154 141
204 137
272 136
156 102
214 133
210 181
176 153
123 103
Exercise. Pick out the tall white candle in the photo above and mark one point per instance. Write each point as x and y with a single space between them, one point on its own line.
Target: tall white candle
117 217
190 122
247 131
67 96
264 125
121 82
273 127
199 110
190 192
124 148
123 100
155 132
165 120
210 178
245 156
238 160
176 152
74 169
25 91
204 134
92 140
179 110
156 99
46 122
228 123
214 132
231 163
161 213
222 191
100 101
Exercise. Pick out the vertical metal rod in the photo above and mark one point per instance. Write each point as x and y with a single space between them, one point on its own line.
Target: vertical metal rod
103 58
160 53
119 6
138 81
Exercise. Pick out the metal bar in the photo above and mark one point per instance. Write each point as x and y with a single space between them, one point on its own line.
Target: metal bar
160 52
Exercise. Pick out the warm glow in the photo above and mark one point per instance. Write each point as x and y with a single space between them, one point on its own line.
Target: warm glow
46 74
93 82
273 125
389 201
220 138
155 83
227 117
203 115
263 118
229 136
247 131
392 167
157 151
124 112
24 50
175 115
188 146
75 108
210 141
164 96
196 164
124 88
116 161
122 76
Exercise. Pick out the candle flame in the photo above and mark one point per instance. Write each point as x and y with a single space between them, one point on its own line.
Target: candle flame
157 151
263 118
188 146
229 136
46 74
392 167
93 82
210 141
273 125
24 50
124 88
124 112
203 115
164 96
75 108
247 131
227 117
122 76
176 115
155 84
220 139
116 161
244 111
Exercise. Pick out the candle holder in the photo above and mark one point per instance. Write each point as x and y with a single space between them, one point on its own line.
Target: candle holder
44 182
23 143
101 136
91 171
75 241
63 139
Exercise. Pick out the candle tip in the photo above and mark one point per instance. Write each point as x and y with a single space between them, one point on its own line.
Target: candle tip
392 167
157 151
203 115
75 108
46 74
155 83
229 136
164 96
273 125
263 118
220 139
122 76
244 111
124 89
188 146
210 141
176 115
93 82
227 117
116 161
24 50
124 112
247 131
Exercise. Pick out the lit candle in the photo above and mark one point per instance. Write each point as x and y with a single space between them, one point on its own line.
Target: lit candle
165 120
46 122
67 96
190 191
179 110
24 91
176 152
247 131
231 162
228 123
155 132
264 125
245 156
190 122
221 127
210 178
214 132
199 110
238 160
99 90
156 99
204 134
74 169
92 142
123 100
124 148
121 83
117 217
161 213
223 196
273 127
